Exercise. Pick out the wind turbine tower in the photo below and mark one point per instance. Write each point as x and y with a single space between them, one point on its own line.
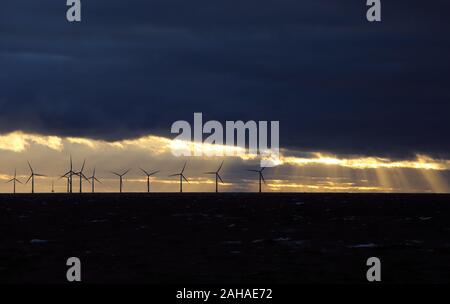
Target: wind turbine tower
120 179
32 175
261 176
93 180
148 178
14 180
217 175
181 174
69 175
81 175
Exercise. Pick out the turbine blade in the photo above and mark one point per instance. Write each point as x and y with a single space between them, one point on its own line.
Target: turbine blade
252 170
154 172
82 167
210 173
97 180
18 181
84 176
115 173
145 172
36 174
262 177
220 178
9 181
184 178
174 174
262 169
29 165
126 172
220 167
184 167
29 179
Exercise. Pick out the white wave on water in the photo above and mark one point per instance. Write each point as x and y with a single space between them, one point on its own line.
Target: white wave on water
38 241
369 245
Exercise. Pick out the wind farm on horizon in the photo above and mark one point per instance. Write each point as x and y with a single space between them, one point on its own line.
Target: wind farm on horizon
71 175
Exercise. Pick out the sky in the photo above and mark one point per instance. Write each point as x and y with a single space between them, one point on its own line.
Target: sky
362 106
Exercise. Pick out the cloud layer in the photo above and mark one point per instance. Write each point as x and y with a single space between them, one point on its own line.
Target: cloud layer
334 81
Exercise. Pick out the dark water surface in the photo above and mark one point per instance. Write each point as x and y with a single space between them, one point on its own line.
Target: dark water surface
225 238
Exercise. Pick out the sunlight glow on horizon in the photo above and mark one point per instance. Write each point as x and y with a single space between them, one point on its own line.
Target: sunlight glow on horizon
389 175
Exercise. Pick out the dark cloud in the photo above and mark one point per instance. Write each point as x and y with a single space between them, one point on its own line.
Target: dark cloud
335 81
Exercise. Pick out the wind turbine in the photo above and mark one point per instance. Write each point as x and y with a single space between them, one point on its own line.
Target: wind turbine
68 182
32 175
14 180
261 177
181 177
120 178
93 180
69 174
216 173
81 175
148 177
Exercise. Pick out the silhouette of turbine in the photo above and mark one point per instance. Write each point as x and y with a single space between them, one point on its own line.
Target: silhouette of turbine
148 177
68 181
81 175
32 175
93 180
216 173
120 178
261 177
69 175
14 180
181 177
